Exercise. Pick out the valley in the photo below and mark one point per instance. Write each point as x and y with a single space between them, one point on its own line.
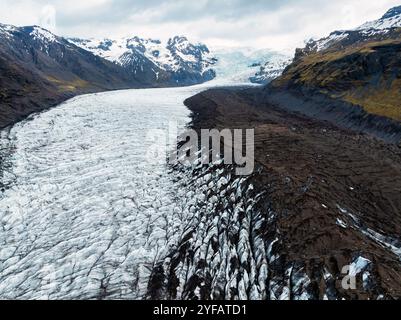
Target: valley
90 208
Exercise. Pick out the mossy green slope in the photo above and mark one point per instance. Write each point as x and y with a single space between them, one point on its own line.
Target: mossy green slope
367 74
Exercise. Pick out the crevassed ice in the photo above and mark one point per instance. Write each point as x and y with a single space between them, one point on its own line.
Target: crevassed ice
85 214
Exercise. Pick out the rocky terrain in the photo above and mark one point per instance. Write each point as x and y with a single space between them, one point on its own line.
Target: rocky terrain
321 198
89 212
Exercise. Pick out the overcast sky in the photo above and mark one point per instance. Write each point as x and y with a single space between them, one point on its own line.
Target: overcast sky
276 24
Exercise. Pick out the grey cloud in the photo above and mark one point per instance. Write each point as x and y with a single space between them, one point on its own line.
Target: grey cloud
235 21
119 11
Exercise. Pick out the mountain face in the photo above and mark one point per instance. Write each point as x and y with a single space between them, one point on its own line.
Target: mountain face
177 62
357 73
39 69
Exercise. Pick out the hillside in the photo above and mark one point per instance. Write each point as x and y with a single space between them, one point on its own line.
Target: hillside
39 70
361 67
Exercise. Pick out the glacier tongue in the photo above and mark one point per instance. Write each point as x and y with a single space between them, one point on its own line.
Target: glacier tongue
84 214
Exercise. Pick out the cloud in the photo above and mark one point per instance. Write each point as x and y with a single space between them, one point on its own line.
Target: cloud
276 24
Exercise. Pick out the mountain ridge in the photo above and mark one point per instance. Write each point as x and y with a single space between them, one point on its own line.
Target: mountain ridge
177 61
379 29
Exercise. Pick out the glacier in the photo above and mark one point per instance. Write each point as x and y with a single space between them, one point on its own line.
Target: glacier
88 212
240 65
83 208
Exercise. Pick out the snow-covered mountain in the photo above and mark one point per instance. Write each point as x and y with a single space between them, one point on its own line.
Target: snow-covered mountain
6 30
37 34
173 62
177 61
356 73
375 30
391 19
58 59
39 69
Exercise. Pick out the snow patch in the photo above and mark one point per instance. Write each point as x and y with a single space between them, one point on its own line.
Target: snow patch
358 265
43 35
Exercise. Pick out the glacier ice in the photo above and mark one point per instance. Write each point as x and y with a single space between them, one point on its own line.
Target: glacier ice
84 213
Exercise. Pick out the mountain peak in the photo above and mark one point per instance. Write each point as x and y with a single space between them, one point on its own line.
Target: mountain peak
391 19
41 34
179 38
396 11
7 27
176 59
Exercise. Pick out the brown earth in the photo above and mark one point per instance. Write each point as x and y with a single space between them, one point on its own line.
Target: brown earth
315 173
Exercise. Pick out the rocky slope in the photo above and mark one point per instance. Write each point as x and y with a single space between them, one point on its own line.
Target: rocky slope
357 69
177 62
39 69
